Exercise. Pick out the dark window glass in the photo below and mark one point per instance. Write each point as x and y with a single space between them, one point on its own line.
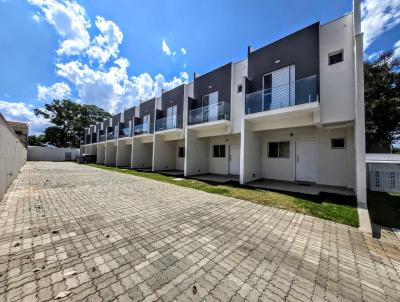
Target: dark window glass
284 149
222 151
336 58
216 151
219 151
273 150
18 132
279 150
181 152
337 143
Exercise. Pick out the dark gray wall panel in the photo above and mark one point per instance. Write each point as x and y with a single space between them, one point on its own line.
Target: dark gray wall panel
171 98
148 108
300 48
219 80
116 118
128 115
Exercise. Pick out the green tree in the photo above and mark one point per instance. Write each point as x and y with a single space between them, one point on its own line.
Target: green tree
70 120
382 102
36 140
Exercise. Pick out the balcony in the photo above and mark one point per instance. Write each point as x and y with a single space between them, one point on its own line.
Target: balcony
210 113
295 93
125 132
169 122
145 128
94 139
102 137
110 136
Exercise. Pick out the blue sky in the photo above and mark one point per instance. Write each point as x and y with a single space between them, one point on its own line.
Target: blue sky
116 53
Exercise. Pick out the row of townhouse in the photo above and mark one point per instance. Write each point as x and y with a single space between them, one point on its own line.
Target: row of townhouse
291 111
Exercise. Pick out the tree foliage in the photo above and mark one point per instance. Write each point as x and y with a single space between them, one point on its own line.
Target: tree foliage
382 102
36 140
69 121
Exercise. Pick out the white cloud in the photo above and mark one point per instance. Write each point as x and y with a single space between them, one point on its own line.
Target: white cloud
113 89
165 48
397 49
106 84
22 112
36 17
184 51
106 44
70 21
57 91
378 16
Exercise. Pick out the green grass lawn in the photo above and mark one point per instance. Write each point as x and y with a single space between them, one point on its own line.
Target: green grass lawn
331 207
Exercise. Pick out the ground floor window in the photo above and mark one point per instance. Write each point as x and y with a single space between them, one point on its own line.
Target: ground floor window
337 143
219 151
181 152
279 149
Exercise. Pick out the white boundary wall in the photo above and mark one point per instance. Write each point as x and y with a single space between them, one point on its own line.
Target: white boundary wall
12 156
37 153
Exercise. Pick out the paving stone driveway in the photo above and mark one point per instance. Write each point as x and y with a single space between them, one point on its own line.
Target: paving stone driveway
76 233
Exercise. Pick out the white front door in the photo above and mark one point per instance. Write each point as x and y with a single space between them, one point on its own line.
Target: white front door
234 159
306 166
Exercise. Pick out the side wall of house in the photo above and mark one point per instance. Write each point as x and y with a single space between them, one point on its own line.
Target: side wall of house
337 89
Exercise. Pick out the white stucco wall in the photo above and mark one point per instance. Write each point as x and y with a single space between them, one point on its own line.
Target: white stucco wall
164 155
180 161
332 164
337 87
36 153
111 154
239 70
142 154
197 154
250 153
124 154
220 165
13 156
101 153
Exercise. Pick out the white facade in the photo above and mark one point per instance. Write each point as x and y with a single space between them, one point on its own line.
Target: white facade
317 141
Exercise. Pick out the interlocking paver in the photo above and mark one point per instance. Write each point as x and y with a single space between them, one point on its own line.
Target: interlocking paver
105 236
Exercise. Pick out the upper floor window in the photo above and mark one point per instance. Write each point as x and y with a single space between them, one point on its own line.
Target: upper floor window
336 57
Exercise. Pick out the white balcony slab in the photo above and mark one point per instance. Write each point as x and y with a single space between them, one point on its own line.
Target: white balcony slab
293 116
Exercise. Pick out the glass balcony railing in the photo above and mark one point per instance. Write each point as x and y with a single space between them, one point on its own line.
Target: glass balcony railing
102 137
291 94
169 122
110 135
125 132
210 113
145 128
